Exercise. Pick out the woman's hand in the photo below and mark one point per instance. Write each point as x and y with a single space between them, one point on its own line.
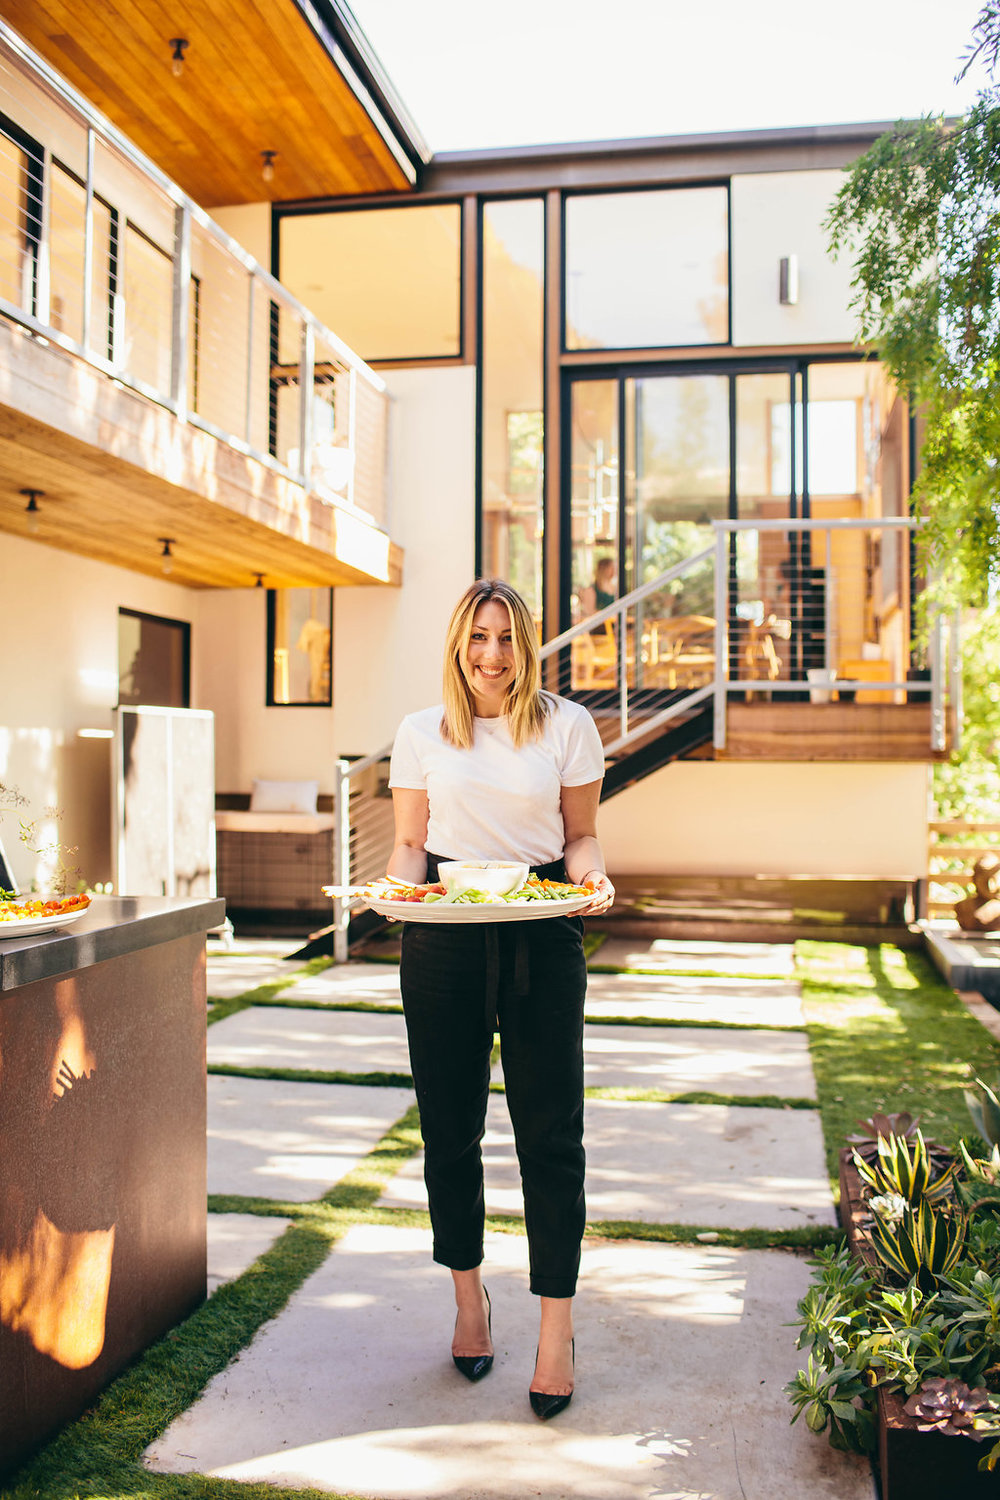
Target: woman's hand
604 894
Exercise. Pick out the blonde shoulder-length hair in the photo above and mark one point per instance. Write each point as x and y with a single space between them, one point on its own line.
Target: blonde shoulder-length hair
525 706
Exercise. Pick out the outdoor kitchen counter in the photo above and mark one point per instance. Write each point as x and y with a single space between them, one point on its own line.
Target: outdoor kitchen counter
102 1151
110 927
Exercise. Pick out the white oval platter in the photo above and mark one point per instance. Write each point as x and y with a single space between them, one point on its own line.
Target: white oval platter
445 913
19 926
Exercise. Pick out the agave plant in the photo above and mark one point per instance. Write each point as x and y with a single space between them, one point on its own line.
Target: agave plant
981 1188
984 1108
905 1168
949 1406
926 1244
879 1128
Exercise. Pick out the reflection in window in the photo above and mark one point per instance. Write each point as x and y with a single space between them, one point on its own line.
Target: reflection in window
647 269
593 482
154 660
387 280
512 421
299 646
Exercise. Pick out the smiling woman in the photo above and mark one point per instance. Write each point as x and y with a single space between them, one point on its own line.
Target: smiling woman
501 771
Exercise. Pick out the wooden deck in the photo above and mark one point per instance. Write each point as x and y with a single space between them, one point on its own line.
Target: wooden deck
830 731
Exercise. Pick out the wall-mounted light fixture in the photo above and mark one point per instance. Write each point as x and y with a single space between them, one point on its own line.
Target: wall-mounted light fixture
178 43
32 511
267 170
166 556
788 280
260 580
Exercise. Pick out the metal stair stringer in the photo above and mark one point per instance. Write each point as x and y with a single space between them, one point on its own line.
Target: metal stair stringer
677 739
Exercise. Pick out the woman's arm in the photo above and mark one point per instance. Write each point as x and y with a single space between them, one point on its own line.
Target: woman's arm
408 860
581 851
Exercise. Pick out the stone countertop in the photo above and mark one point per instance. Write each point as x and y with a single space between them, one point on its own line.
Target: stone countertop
110 927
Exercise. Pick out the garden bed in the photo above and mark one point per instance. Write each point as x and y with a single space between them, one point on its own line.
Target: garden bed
913 1465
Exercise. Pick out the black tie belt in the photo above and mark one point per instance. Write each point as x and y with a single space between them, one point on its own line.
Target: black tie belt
521 975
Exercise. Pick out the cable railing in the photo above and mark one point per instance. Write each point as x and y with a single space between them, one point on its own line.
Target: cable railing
104 256
814 610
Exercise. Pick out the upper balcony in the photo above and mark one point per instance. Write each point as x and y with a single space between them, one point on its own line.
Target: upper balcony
156 382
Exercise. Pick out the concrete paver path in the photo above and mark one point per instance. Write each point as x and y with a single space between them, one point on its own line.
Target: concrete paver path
682 1349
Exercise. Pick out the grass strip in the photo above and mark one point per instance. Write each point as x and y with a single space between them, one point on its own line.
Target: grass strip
663 971
807 1237
100 1454
692 1022
314 1075
703 1096
887 1033
290 1002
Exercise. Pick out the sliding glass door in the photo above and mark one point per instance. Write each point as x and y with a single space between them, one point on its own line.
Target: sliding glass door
654 457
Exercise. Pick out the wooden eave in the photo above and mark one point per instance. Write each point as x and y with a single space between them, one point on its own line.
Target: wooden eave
257 77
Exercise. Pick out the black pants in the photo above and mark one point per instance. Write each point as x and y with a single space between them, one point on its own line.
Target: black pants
528 978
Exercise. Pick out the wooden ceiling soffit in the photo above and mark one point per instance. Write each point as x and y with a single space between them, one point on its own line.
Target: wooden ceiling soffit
257 76
106 509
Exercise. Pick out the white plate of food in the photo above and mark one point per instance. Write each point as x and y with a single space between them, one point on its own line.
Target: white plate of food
18 919
429 904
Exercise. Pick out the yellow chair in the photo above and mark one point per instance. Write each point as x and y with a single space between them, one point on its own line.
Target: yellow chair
682 651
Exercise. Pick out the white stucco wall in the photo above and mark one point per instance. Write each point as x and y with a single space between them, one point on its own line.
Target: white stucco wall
386 642
775 214
63 678
732 818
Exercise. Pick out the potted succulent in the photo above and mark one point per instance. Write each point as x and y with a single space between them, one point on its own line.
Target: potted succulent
902 1323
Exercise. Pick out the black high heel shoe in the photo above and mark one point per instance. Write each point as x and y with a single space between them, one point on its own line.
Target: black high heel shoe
543 1404
475 1366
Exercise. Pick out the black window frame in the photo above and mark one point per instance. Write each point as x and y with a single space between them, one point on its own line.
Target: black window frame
183 627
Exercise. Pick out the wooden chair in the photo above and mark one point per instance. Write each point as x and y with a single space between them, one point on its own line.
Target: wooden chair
595 658
682 651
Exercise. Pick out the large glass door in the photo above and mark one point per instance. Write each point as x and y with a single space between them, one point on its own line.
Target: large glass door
654 459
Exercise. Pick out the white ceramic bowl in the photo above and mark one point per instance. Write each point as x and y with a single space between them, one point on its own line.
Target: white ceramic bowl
499 877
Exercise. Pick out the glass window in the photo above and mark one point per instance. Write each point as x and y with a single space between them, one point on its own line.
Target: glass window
20 216
647 269
512 421
154 660
299 647
385 280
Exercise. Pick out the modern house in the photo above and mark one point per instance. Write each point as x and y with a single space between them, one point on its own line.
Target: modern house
276 384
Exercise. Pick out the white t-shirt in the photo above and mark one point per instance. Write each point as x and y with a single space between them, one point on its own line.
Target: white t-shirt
495 801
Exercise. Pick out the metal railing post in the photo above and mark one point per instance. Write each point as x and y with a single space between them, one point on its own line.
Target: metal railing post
341 856
955 683
623 671
721 640
179 352
829 591
307 364
936 657
88 238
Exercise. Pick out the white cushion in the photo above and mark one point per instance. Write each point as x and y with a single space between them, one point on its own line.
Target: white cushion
284 796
